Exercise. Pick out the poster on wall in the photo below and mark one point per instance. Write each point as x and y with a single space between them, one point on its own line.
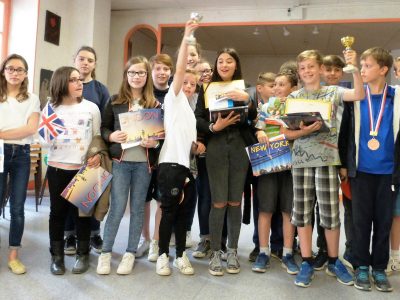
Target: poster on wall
44 90
52 28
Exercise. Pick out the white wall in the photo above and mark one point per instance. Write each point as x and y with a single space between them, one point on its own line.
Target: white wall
123 21
22 38
101 37
83 22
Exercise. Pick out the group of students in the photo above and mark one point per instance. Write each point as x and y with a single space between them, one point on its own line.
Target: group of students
206 161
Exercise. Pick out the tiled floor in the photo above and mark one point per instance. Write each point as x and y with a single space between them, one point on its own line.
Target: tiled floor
144 283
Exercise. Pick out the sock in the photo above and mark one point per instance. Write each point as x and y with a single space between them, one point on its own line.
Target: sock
309 260
287 251
395 254
332 260
265 250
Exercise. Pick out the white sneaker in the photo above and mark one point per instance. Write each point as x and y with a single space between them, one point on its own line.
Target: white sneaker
162 266
126 265
393 265
153 251
104 264
189 241
172 242
183 264
144 246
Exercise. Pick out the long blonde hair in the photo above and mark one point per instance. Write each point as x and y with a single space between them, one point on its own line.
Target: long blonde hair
125 93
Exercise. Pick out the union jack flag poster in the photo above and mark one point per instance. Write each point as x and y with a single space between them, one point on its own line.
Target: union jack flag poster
50 124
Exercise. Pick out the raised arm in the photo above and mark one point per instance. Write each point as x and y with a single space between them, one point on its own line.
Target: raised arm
358 92
182 57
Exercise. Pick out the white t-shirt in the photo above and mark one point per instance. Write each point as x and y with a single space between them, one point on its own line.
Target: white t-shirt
82 121
15 114
180 129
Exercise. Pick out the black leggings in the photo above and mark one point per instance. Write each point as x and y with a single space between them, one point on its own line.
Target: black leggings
59 207
171 182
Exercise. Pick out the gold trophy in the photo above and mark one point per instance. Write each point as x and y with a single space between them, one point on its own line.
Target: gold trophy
348 41
196 17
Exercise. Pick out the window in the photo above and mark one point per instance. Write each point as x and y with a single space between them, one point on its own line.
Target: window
4 26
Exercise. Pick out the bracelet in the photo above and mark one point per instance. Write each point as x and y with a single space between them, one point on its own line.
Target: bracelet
211 127
157 145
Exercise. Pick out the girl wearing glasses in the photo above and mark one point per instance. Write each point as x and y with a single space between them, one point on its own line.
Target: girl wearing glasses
85 60
131 168
19 112
67 154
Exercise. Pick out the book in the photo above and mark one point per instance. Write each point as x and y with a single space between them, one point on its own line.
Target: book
86 187
142 124
238 110
307 105
274 158
293 120
215 93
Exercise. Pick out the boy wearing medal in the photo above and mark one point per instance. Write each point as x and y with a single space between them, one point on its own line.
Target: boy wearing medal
370 165
315 158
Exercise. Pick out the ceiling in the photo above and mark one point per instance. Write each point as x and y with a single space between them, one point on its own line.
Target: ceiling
270 40
206 4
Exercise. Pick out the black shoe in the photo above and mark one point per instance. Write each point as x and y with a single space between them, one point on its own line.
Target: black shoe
253 254
57 266
81 264
277 253
320 260
97 243
382 284
82 258
70 245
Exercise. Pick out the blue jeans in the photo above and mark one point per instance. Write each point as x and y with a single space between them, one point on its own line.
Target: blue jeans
17 167
130 179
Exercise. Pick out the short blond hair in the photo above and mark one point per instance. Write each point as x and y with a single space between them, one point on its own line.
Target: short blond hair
265 77
310 54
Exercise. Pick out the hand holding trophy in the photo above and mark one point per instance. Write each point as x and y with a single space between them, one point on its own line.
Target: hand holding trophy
196 18
347 42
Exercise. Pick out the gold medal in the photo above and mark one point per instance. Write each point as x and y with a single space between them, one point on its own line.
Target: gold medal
373 144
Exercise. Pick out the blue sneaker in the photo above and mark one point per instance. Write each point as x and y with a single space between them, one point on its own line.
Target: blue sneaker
382 284
289 264
261 264
362 281
305 275
342 274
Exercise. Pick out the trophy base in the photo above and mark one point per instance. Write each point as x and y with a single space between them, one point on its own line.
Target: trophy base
349 69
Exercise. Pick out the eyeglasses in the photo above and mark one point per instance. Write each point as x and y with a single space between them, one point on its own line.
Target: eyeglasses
206 71
11 70
76 80
139 73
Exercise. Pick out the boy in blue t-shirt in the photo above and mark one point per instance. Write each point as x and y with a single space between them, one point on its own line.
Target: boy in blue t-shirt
370 167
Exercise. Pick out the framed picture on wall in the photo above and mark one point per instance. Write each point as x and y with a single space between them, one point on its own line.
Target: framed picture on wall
44 89
52 28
